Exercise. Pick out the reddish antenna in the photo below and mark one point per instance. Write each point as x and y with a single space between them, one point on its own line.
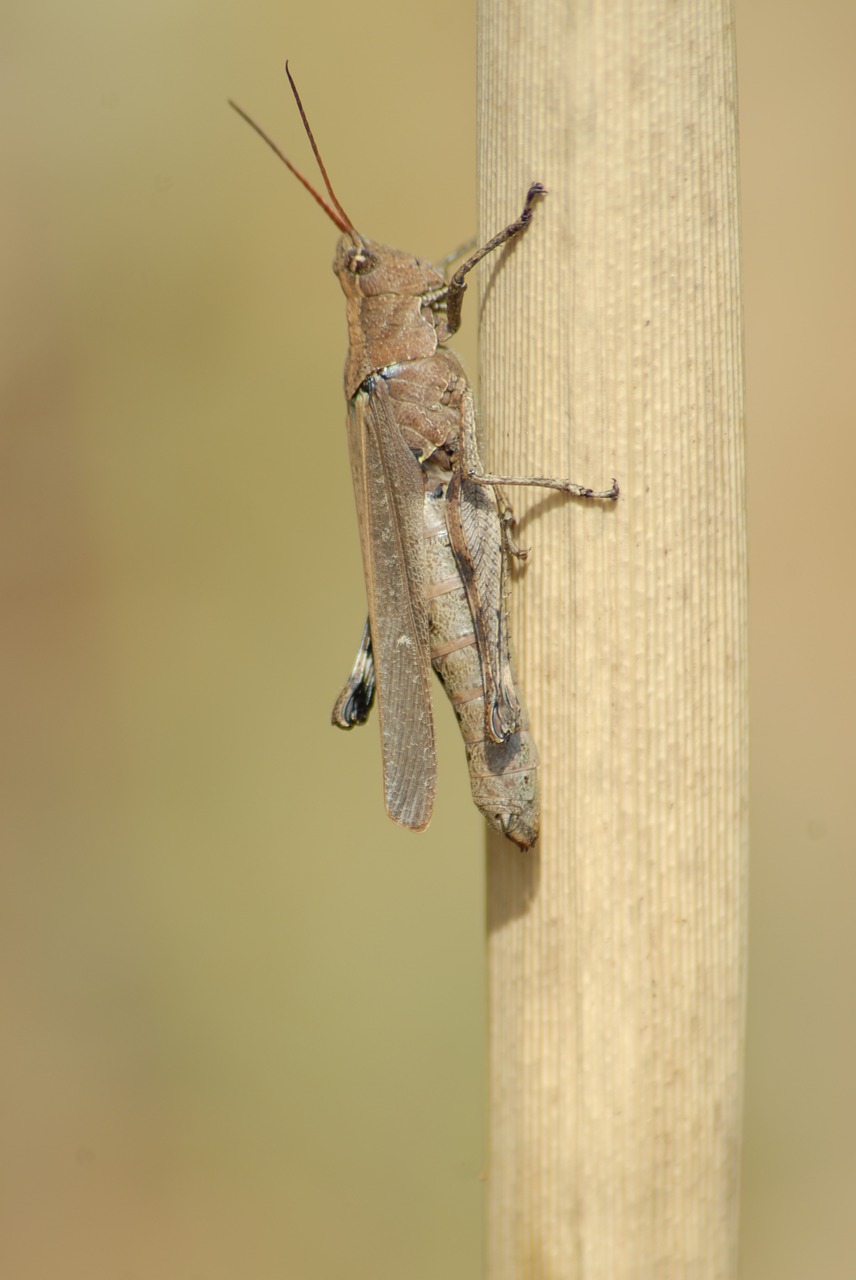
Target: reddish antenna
334 212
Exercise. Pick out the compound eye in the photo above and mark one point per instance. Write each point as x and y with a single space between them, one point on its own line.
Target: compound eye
360 261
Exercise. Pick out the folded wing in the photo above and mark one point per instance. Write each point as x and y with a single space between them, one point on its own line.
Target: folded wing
388 484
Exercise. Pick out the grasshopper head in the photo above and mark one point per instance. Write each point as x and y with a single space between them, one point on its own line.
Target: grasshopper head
367 270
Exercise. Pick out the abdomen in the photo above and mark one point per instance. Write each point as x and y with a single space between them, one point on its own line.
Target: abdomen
503 775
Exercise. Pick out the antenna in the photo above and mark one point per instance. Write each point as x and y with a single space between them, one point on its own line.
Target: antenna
334 212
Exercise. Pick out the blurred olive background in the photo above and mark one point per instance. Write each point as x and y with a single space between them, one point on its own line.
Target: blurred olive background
242 1012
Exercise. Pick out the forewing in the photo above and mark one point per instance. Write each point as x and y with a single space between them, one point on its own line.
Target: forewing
389 490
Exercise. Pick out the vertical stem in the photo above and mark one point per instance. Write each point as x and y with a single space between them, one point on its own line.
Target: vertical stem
611 345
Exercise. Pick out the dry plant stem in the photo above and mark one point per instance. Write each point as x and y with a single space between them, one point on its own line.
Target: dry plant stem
611 345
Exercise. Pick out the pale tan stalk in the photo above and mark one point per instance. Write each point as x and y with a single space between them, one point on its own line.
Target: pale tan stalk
612 347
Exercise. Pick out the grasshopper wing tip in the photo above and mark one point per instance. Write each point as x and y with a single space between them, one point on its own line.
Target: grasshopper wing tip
415 822
413 809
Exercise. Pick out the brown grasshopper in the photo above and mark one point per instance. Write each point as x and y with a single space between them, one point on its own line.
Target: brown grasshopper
435 530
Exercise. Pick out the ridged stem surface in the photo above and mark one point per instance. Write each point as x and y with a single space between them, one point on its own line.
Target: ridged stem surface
611 346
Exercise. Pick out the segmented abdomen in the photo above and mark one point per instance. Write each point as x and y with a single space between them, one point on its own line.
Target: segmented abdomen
503 775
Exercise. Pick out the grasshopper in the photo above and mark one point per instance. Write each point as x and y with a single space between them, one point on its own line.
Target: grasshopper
435 530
